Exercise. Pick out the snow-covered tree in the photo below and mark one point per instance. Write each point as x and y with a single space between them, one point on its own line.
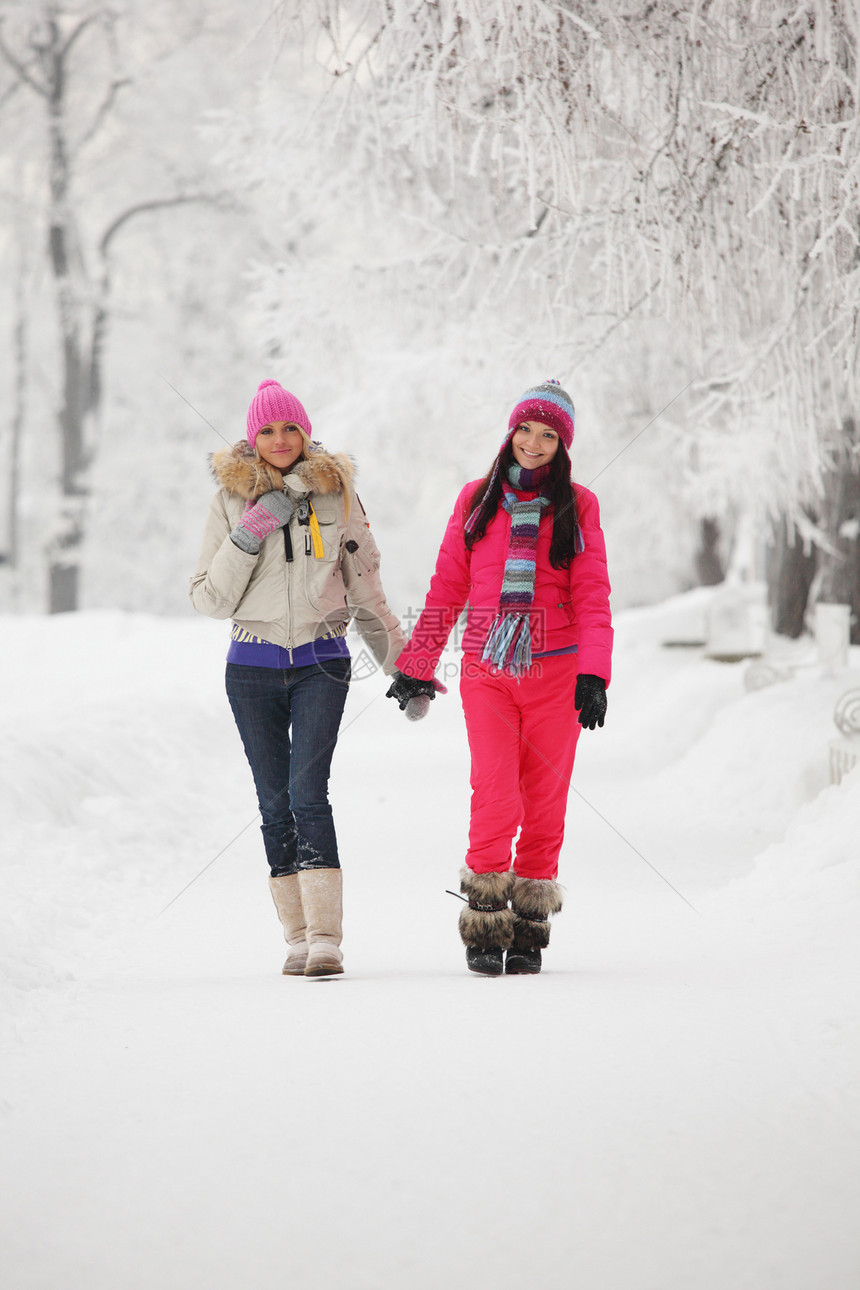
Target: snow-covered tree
84 178
695 162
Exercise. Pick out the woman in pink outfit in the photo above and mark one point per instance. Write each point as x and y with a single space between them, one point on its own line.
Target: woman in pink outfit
524 554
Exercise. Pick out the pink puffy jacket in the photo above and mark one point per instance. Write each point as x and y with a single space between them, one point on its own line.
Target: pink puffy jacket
570 606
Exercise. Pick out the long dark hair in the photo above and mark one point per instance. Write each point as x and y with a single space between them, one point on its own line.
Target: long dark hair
559 489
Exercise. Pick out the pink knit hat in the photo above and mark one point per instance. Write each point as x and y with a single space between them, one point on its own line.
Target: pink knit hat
549 404
273 403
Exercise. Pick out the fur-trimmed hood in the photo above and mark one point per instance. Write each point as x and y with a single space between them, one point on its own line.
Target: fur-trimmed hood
243 473
333 577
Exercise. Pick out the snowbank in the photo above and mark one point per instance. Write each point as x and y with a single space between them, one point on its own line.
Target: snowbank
121 777
187 1117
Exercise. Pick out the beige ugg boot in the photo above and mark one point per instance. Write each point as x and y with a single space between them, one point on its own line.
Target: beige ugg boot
322 899
288 903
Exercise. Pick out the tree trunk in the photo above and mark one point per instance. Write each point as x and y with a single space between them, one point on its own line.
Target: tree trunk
709 565
790 573
64 550
65 547
839 569
19 349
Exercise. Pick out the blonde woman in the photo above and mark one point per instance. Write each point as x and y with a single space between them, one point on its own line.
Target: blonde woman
288 555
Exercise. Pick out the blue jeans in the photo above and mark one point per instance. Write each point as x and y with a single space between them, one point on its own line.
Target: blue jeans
288 720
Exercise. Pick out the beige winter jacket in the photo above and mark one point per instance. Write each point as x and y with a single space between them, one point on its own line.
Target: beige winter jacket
292 602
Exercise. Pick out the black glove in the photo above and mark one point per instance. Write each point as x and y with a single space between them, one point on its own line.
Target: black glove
590 700
403 688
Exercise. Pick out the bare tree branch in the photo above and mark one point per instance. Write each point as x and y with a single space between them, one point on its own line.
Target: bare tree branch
142 208
9 93
102 112
18 67
72 39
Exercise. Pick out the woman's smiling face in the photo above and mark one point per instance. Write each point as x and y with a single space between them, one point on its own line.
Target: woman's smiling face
534 444
280 444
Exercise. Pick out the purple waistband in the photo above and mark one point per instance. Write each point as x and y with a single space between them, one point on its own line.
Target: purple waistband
551 653
251 651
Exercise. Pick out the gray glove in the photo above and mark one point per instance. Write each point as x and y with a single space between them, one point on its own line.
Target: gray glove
272 512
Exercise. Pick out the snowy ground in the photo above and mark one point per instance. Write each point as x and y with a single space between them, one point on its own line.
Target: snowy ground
671 1105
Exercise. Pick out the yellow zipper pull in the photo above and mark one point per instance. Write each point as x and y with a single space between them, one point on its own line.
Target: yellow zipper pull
319 549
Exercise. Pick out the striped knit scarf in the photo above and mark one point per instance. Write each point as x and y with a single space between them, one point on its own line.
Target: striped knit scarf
509 644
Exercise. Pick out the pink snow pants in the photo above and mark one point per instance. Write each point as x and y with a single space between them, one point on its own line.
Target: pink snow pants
522 737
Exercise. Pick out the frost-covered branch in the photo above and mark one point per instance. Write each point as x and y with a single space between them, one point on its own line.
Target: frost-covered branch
21 70
142 208
103 111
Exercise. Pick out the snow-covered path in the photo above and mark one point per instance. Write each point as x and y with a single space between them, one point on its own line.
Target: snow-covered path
671 1104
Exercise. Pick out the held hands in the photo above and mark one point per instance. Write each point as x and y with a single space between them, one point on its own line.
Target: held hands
272 511
590 700
412 695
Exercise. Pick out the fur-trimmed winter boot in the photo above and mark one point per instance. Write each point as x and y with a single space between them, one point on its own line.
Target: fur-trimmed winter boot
486 923
322 900
288 903
532 902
